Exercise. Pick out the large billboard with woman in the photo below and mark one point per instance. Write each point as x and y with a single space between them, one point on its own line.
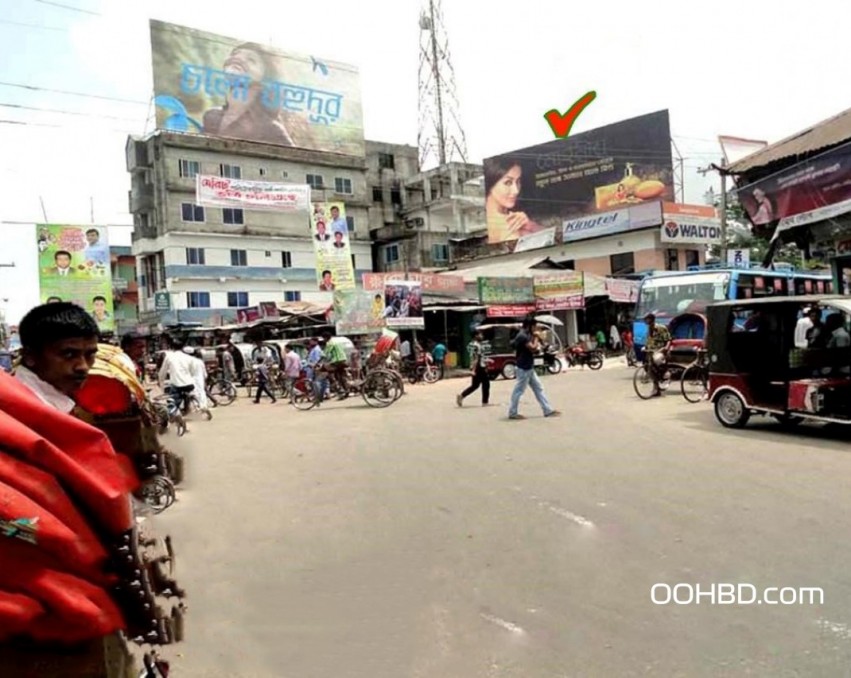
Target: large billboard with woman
540 187
210 84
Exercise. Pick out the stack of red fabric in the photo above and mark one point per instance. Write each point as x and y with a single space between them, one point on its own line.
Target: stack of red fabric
64 494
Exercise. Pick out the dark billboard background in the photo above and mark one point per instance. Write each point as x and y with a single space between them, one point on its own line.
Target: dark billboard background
809 191
622 164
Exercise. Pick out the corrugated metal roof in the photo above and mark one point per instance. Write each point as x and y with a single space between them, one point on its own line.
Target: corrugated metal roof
827 133
512 268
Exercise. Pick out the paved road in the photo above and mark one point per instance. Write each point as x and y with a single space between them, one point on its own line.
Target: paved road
428 541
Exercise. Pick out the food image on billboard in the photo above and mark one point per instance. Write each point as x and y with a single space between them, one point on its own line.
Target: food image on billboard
537 188
403 304
74 265
210 84
330 234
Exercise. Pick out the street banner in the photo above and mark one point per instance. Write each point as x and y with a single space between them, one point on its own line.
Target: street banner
809 191
251 195
219 86
432 282
535 241
358 312
559 291
403 304
74 265
507 297
616 166
247 314
330 233
269 309
690 224
739 258
622 291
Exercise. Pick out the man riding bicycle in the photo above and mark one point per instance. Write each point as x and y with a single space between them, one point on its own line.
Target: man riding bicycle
334 358
658 339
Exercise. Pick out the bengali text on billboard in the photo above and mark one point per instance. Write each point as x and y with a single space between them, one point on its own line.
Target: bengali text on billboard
559 291
251 195
622 291
359 311
330 234
74 265
431 282
812 190
220 86
619 165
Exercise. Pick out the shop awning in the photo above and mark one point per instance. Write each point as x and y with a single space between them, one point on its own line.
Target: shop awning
510 268
459 309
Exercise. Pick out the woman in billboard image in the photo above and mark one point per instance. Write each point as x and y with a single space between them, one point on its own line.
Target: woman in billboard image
248 114
502 187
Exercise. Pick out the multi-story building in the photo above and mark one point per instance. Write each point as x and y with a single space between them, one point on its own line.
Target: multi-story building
201 264
416 215
125 289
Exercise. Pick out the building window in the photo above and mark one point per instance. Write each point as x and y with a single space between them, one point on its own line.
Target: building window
292 296
395 196
230 171
286 260
386 161
232 216
262 171
377 194
238 258
354 265
237 299
391 254
440 252
198 299
622 264
285 174
672 260
342 185
195 256
692 258
192 212
350 224
268 253
315 181
189 168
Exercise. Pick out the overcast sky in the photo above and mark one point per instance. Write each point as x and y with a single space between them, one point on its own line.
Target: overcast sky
754 69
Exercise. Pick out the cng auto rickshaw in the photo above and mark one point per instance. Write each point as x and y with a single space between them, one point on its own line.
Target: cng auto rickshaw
756 368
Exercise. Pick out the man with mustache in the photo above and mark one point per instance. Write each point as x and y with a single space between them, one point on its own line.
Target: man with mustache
59 343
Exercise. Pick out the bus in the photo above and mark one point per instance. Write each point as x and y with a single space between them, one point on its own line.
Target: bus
669 293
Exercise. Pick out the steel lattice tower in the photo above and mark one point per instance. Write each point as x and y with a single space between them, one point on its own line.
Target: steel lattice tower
440 136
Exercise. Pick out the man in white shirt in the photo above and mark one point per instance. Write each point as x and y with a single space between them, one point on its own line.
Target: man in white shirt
177 371
59 345
405 349
803 326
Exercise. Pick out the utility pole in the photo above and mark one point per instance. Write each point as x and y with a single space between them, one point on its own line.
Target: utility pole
723 207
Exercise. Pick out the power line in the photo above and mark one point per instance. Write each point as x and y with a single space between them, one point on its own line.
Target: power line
76 94
56 110
73 9
25 25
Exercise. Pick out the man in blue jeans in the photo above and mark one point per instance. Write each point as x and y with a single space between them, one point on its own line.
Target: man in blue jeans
525 344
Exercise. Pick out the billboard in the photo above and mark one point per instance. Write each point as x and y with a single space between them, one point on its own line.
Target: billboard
690 224
211 84
507 297
623 291
359 311
74 265
330 234
251 195
431 282
559 291
619 165
403 304
813 190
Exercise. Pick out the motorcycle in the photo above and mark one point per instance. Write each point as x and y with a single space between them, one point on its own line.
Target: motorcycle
547 361
421 369
579 355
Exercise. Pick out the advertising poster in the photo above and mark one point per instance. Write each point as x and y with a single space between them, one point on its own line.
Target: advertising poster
559 291
330 233
403 304
507 297
810 191
690 224
358 312
431 282
74 265
220 86
622 291
251 195
619 165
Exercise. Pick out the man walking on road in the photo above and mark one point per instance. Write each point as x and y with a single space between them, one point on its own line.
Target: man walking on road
525 344
262 371
479 370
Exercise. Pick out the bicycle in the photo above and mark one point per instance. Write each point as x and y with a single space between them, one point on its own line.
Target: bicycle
222 392
653 377
168 412
695 380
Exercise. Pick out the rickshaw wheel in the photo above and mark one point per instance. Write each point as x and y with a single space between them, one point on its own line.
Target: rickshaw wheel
509 371
730 410
643 384
555 366
379 389
303 394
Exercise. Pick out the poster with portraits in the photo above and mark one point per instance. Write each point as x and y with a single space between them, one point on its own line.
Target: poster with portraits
403 304
74 265
330 233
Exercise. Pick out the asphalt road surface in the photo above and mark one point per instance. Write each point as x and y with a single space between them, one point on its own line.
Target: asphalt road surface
430 541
